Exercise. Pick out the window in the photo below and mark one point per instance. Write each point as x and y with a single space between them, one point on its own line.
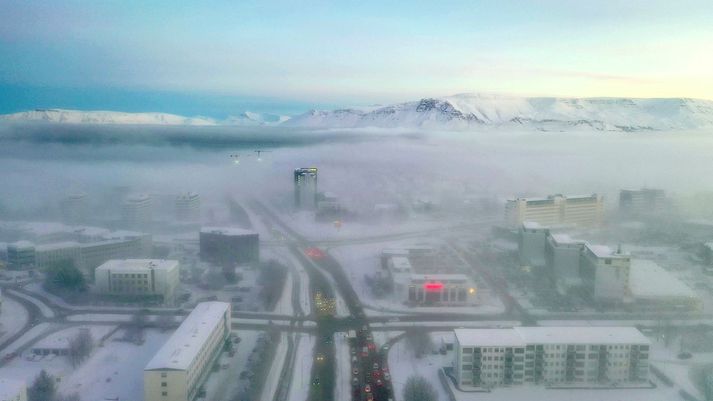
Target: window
164 384
163 374
164 393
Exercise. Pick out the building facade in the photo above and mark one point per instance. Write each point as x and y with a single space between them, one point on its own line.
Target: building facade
20 255
556 210
229 246
305 187
12 390
183 363
605 273
642 202
139 277
531 243
136 210
553 356
49 254
188 207
563 255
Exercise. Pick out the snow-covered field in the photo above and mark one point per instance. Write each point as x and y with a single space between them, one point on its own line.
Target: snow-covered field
114 370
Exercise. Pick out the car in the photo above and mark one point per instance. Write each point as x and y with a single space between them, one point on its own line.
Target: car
354 359
379 382
375 375
376 366
367 389
353 350
387 376
370 397
371 346
355 371
355 381
364 352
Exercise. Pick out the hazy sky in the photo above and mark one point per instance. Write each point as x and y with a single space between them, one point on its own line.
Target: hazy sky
292 55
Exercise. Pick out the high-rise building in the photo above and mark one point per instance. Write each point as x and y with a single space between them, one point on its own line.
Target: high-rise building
74 208
563 255
188 207
136 211
531 244
556 210
605 273
305 182
229 246
642 202
183 363
139 277
555 356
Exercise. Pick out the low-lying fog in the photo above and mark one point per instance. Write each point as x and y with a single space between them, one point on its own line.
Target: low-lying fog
41 163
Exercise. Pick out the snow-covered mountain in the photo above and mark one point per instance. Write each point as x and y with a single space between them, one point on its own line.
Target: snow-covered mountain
104 117
114 117
473 111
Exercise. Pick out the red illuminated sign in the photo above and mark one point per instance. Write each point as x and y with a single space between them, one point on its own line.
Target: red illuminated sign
433 286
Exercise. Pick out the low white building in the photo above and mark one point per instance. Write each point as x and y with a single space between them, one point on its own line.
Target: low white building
12 390
554 356
183 363
415 285
49 254
139 277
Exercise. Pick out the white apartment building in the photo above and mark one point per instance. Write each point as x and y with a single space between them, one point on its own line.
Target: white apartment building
188 207
181 366
558 209
553 356
12 390
136 210
139 277
49 254
605 273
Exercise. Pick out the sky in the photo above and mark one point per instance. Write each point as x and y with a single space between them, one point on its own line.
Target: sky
219 58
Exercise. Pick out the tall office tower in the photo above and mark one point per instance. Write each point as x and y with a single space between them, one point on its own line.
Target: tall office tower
305 187
74 208
136 210
188 207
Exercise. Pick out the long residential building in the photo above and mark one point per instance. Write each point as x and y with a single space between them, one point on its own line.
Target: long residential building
553 356
642 202
139 277
558 209
181 366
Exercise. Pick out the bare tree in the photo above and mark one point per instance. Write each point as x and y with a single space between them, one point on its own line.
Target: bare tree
419 341
417 388
80 347
43 388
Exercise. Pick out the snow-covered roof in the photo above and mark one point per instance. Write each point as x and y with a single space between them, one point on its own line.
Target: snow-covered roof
532 225
563 239
603 251
9 389
489 337
185 343
233 231
519 336
440 277
138 264
401 264
649 280
21 244
56 246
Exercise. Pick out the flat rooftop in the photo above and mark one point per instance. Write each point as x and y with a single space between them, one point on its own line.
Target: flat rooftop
603 251
648 280
56 246
232 231
139 264
564 239
519 336
186 342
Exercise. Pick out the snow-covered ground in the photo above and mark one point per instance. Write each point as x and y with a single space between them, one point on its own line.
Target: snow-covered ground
13 317
114 370
46 311
361 260
30 336
224 384
299 389
403 364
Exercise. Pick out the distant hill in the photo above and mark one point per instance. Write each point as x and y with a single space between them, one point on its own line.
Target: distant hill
114 117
